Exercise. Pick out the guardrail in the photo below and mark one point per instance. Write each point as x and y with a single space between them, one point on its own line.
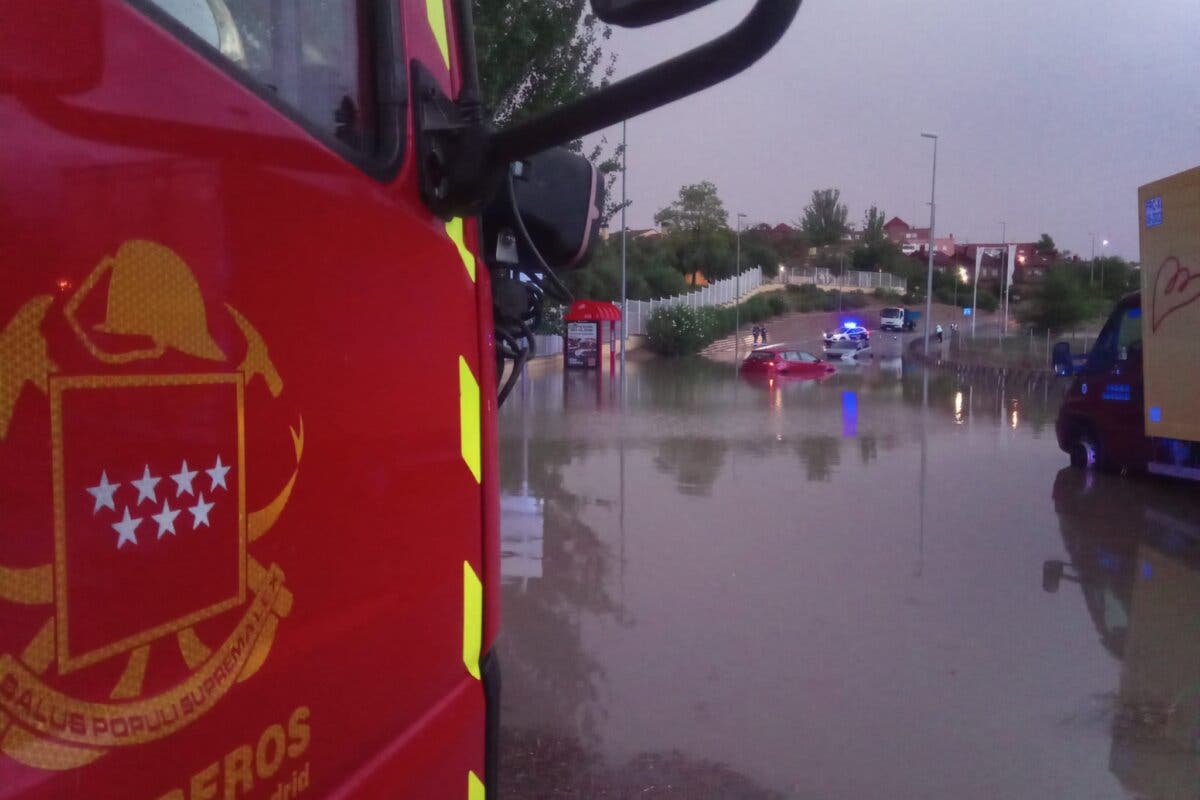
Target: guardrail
718 293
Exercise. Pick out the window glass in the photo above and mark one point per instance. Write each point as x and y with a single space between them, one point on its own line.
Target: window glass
808 358
1129 341
314 55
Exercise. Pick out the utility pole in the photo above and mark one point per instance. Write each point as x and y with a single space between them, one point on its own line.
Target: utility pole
737 303
929 271
1092 263
624 243
1006 267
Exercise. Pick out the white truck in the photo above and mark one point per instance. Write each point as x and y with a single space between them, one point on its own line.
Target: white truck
896 319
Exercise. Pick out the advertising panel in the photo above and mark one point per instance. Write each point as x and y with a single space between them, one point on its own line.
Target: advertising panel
583 345
1169 217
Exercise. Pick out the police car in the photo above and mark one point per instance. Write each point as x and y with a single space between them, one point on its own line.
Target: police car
850 332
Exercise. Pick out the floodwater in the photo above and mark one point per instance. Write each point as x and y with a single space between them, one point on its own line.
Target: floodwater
884 585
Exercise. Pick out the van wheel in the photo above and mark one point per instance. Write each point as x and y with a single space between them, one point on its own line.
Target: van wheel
1085 452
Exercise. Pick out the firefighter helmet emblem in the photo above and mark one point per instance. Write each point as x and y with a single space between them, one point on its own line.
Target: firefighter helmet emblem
142 566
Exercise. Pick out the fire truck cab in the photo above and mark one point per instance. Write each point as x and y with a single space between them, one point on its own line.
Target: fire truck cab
263 263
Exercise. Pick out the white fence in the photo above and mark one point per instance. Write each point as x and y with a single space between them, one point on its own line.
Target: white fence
548 344
718 293
850 279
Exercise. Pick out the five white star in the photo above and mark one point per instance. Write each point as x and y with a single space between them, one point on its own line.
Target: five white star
217 474
166 519
145 487
183 479
125 529
103 492
200 513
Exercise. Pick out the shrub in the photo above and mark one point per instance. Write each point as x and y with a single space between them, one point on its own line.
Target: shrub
678 331
552 320
987 301
777 303
888 295
855 300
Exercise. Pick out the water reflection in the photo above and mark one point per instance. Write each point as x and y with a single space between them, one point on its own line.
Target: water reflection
694 462
812 589
1134 550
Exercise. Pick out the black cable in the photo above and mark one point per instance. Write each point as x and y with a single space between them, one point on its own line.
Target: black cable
522 358
560 291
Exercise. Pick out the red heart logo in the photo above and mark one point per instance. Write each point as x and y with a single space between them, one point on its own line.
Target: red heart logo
1175 286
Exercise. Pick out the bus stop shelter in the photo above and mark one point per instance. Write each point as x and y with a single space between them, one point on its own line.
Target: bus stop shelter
582 333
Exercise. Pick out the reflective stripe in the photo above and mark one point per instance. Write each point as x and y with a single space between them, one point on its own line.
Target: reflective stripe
468 411
455 228
472 620
436 11
474 787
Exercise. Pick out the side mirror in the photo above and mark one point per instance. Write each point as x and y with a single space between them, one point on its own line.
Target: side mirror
554 206
1052 575
636 13
1060 359
47 49
461 158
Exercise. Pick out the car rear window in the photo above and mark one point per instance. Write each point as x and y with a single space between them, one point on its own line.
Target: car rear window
761 357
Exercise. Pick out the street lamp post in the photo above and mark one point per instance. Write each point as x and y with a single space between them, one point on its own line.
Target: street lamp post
624 237
1004 270
1103 243
737 289
929 270
1092 263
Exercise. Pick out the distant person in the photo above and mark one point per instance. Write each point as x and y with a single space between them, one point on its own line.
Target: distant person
763 331
939 333
755 329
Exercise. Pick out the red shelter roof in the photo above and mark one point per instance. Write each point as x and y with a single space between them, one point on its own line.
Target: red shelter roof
590 310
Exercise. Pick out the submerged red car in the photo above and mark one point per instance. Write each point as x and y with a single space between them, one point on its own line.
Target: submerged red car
784 359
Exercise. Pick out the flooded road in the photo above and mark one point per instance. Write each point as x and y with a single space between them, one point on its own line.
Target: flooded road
835 590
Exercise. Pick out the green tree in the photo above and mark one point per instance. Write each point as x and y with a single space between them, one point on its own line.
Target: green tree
873 232
758 252
824 220
1115 276
697 209
1045 245
708 250
698 231
535 55
1063 301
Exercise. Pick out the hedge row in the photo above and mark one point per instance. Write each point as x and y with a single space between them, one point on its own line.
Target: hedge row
683 331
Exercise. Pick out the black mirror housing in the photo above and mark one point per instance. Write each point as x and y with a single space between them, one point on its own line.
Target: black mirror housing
557 196
636 13
1052 575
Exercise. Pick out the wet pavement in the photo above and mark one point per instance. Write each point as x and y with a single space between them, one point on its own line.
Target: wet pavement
733 589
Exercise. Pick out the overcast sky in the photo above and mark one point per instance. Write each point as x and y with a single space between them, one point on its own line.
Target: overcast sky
1050 114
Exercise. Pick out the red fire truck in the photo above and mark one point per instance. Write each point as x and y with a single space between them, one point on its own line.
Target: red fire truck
263 263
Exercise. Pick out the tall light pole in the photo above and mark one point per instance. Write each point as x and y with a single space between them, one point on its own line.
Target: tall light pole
1004 273
737 289
1103 243
1092 267
929 271
624 237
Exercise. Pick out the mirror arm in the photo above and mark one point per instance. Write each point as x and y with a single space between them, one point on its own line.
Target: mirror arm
470 97
678 77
